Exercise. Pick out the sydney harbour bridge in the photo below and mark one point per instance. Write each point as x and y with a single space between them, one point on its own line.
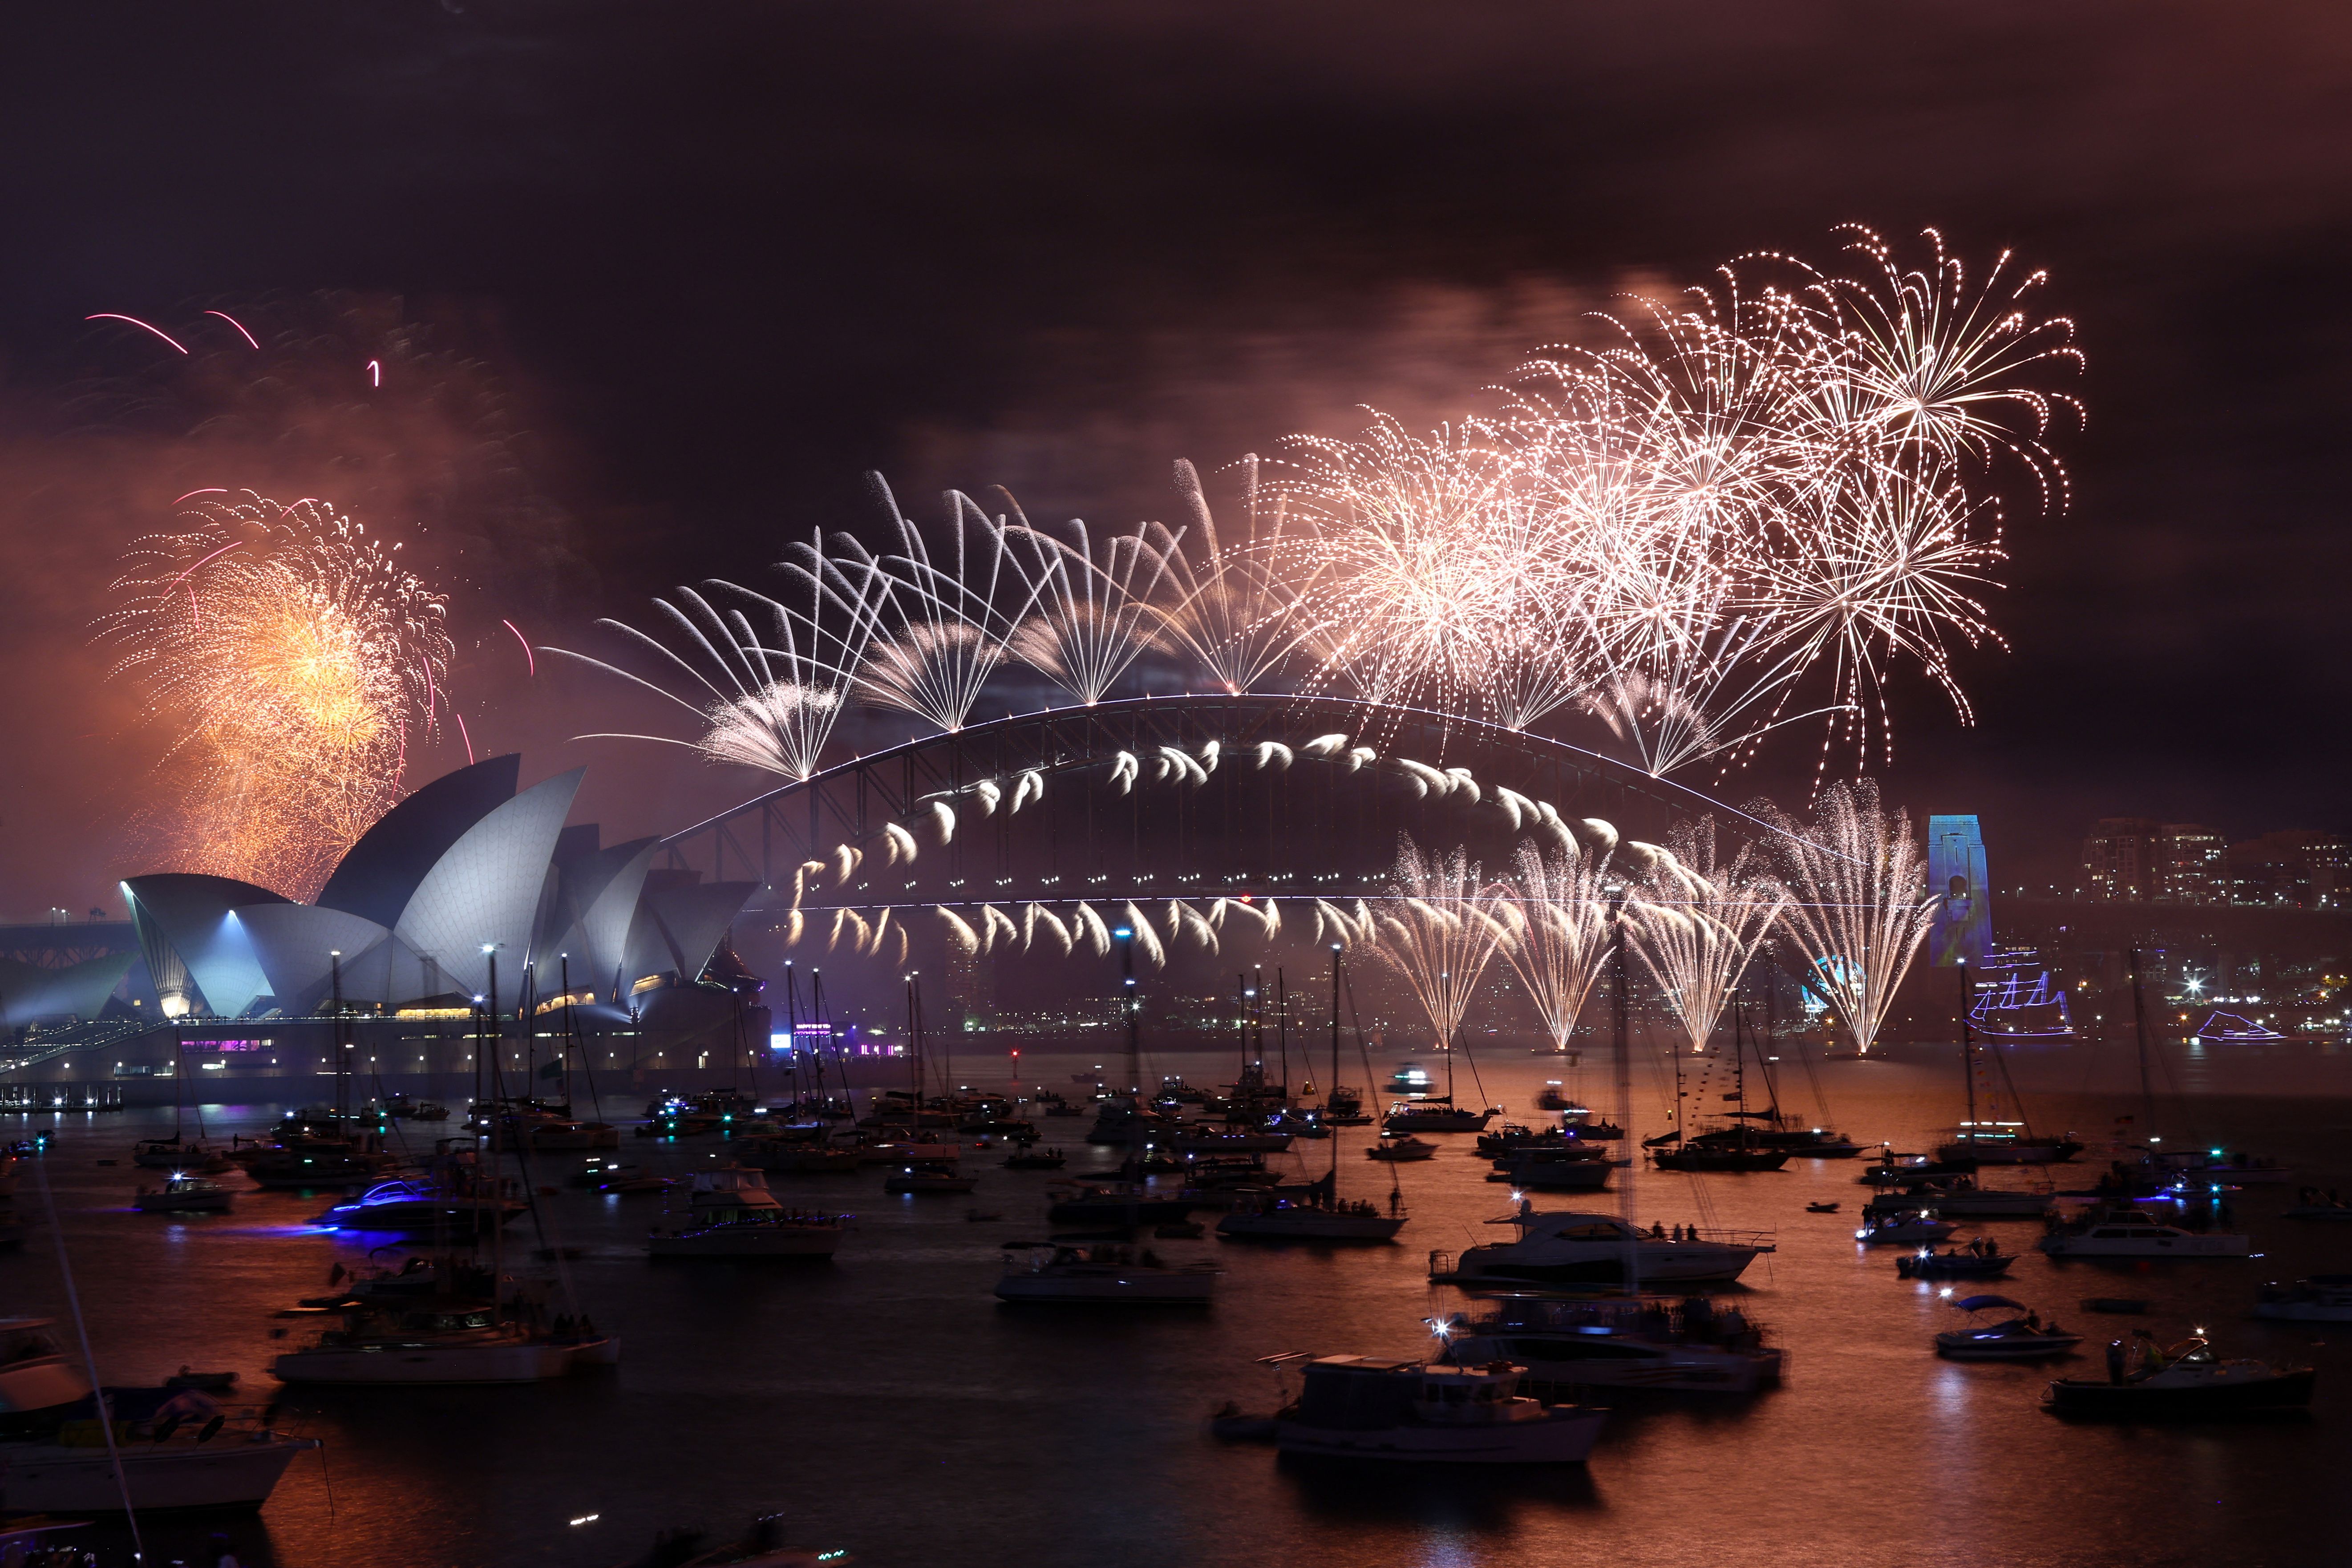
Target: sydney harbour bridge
1203 800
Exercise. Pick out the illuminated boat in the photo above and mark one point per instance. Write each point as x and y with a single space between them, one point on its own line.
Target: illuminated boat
2185 1381
176 1448
730 1213
2006 1143
1415 1412
1906 1227
299 1160
1569 1248
1691 1347
2024 1338
1238 1141
185 1195
422 1207
1316 1217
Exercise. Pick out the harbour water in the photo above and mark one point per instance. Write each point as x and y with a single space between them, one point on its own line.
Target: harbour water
888 1405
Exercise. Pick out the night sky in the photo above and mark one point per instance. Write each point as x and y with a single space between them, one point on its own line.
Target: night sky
655 284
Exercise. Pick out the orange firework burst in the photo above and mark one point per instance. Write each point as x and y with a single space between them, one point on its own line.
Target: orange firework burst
286 658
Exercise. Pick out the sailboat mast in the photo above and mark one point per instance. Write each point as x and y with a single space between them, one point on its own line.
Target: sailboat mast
1282 1030
1331 1088
2139 1026
1968 1060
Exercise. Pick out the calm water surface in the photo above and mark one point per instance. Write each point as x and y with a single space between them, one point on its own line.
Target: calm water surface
887 1404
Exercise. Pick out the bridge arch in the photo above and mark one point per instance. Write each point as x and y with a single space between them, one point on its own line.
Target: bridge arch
1197 797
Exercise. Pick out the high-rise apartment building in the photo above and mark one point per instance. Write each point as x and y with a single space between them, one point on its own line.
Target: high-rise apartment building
2295 868
2192 864
2119 860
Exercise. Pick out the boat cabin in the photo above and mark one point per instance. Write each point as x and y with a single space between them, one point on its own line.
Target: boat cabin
1363 1392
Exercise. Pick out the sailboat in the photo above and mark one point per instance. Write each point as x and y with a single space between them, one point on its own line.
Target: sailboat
1768 1128
1318 1215
179 1154
1994 1142
1734 1148
1438 1113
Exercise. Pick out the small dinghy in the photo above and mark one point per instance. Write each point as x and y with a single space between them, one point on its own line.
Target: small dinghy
1974 1263
1821 1208
2025 1338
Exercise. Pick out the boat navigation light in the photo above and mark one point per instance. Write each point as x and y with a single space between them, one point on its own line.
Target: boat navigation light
1942 1293
587 1518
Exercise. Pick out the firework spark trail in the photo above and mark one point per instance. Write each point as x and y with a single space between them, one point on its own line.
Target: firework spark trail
770 690
1556 906
954 627
289 657
1744 509
1439 932
1699 923
1093 616
1236 611
1859 906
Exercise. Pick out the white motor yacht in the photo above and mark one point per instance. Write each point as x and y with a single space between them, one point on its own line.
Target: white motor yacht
730 1213
1049 1273
185 1195
1414 1412
177 1449
1907 1227
2015 1338
1576 1248
1689 1348
2319 1298
457 1202
2129 1233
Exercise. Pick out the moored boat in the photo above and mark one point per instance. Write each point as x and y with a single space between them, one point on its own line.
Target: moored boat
185 1195
451 1204
1406 1148
176 1447
2130 1233
2023 1338
1570 1248
730 1213
1415 1412
2316 1299
2187 1381
441 1343
1050 1273
1687 1347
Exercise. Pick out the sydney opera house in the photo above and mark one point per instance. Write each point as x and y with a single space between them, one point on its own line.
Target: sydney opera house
470 890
